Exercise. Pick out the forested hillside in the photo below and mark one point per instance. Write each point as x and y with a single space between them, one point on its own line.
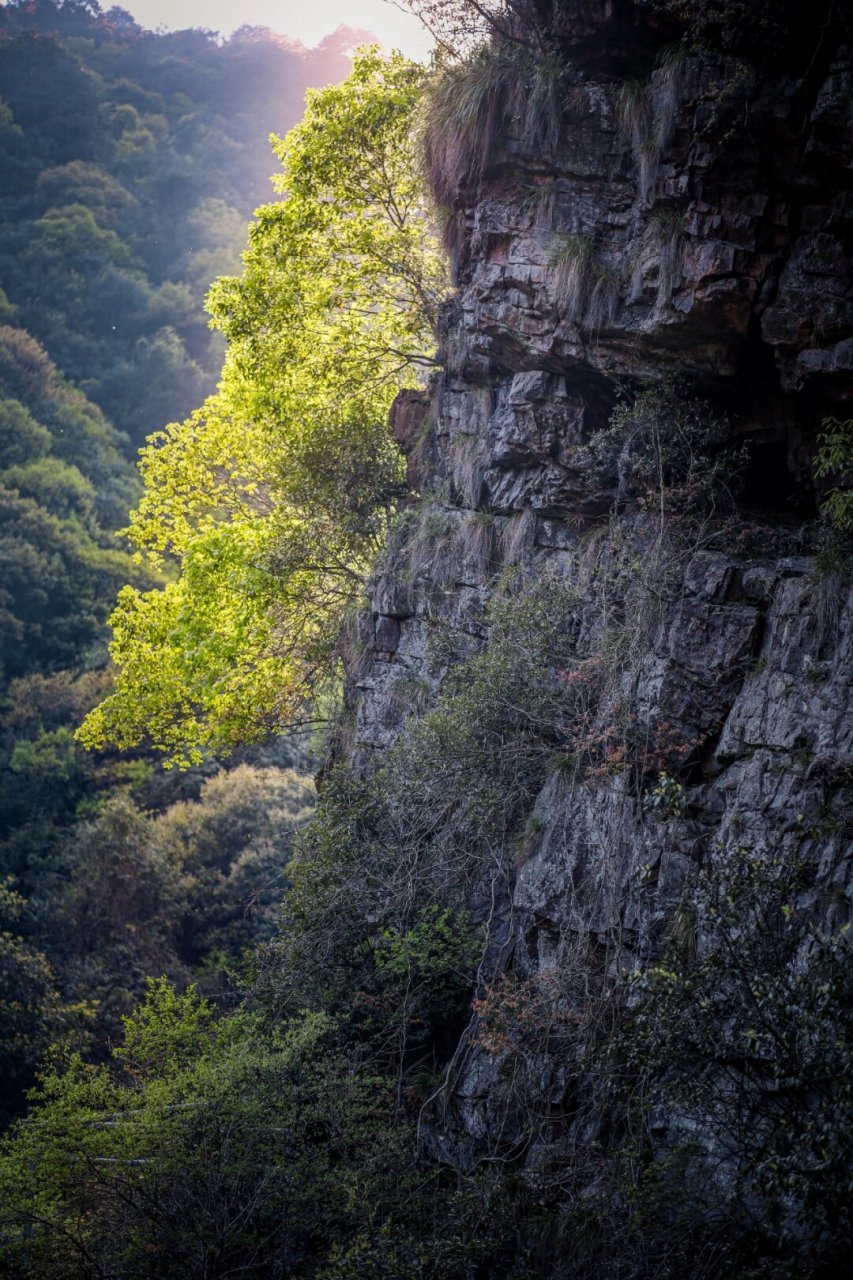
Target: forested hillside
130 163
528 474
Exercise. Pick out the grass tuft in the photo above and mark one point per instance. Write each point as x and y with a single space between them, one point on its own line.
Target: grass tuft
634 113
647 111
585 289
471 104
666 232
464 109
517 536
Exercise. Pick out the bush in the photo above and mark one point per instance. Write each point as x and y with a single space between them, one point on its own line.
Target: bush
834 461
669 450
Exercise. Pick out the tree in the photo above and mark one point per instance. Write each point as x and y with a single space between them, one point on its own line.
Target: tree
218 1148
30 1006
274 497
56 486
232 846
22 439
54 586
79 183
76 430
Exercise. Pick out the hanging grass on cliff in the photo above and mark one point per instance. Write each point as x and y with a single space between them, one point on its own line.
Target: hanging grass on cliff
272 498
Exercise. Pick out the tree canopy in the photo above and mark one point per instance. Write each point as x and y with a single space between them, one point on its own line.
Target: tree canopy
274 496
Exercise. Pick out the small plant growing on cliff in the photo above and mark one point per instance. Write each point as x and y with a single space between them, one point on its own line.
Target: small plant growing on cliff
666 799
633 107
666 233
668 86
647 111
586 290
660 245
834 462
669 448
539 203
463 112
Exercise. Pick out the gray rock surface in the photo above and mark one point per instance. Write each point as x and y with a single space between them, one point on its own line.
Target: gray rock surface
730 240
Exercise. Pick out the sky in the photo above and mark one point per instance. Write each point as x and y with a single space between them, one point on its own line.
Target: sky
305 20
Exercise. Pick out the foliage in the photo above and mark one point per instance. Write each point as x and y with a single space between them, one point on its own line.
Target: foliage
436 945
834 461
125 892
666 448
224 1147
79 435
127 871
131 162
695 1124
427 970
118 920
666 799
379 872
54 585
469 767
63 484
363 937
22 439
274 497
232 846
31 1014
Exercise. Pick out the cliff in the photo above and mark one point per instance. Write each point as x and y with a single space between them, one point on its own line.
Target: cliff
695 226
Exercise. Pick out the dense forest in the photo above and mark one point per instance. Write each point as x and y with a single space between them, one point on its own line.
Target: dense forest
129 165
508 488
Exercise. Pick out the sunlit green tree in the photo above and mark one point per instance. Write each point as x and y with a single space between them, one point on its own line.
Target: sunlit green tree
275 495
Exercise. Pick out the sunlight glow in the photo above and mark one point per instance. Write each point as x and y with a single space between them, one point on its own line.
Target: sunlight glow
307 22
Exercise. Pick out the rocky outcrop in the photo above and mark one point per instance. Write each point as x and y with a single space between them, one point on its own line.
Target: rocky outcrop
715 226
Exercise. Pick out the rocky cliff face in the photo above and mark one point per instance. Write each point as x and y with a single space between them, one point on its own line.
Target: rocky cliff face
701 226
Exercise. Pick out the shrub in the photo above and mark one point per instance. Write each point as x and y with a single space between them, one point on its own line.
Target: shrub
668 448
666 799
220 1148
834 461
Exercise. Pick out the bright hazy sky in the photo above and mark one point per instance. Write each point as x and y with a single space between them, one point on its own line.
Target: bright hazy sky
305 20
